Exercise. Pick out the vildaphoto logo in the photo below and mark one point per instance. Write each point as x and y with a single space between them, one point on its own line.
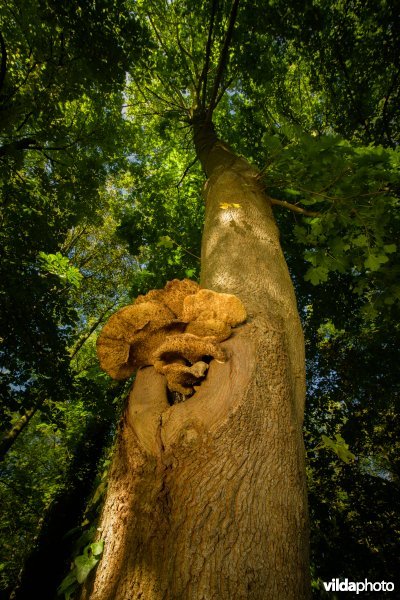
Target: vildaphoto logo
336 585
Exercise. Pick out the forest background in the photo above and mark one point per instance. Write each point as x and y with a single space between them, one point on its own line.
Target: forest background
101 201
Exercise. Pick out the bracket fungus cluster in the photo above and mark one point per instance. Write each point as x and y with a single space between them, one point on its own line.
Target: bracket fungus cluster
178 330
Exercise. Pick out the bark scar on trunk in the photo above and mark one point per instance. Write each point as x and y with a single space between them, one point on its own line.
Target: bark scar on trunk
159 426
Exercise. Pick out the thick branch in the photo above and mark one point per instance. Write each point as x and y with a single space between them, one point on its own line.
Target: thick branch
223 60
209 149
184 54
22 144
357 108
31 144
222 92
25 120
203 77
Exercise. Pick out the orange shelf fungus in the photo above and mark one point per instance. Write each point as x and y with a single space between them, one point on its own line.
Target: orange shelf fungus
178 330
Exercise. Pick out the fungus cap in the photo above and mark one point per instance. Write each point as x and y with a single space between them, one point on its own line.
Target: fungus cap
206 305
177 329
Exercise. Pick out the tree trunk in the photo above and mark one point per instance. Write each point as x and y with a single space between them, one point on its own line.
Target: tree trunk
10 436
207 498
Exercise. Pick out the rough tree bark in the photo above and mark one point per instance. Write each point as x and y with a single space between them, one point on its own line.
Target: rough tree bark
207 498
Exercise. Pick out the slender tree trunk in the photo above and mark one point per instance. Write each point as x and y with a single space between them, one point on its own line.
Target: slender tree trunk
207 498
9 437
49 559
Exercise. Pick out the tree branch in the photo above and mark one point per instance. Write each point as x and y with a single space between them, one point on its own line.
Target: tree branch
186 171
294 208
222 92
182 248
204 73
66 247
184 54
31 144
163 100
181 101
11 435
339 198
223 60
22 144
3 67
85 337
24 121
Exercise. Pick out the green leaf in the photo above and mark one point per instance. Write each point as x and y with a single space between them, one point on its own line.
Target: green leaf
59 265
390 248
374 261
69 592
165 242
301 233
97 548
99 492
316 275
311 257
360 240
292 192
338 446
69 582
272 143
369 312
84 564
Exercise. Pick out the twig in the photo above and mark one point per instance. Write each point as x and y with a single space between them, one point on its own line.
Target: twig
338 198
165 48
186 171
164 100
66 248
174 89
184 249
